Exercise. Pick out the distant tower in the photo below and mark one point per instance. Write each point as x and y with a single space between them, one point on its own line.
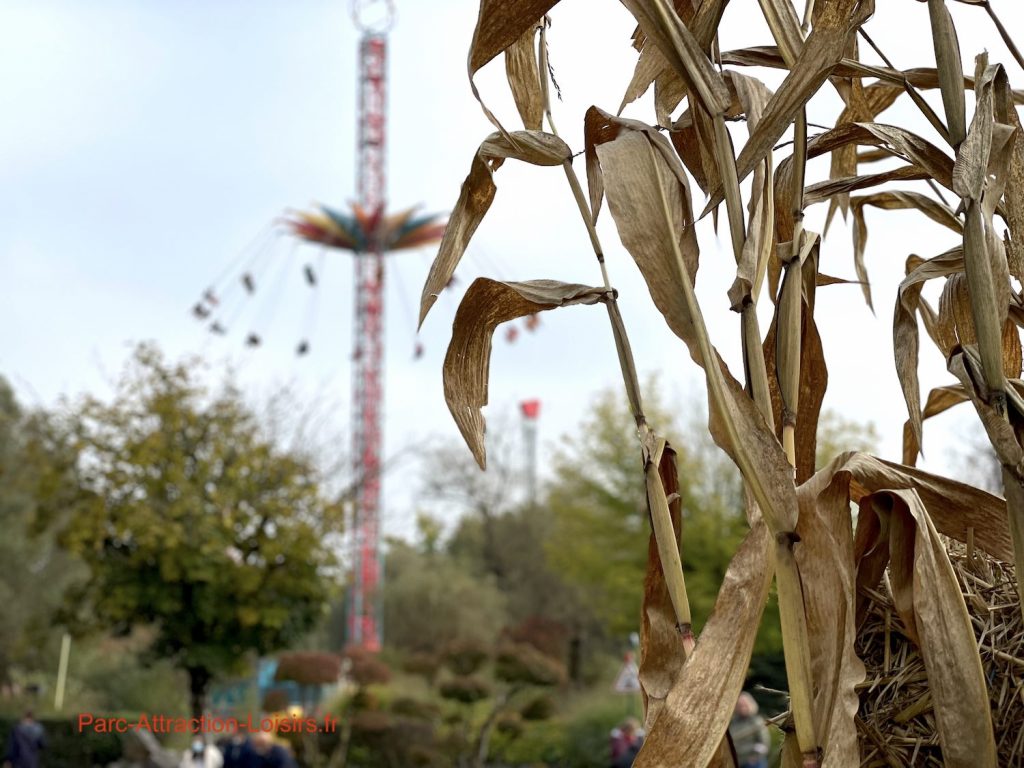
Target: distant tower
369 233
368 365
531 412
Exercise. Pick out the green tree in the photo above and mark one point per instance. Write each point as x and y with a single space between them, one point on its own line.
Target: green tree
34 569
192 522
432 600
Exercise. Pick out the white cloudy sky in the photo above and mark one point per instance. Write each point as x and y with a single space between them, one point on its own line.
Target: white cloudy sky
145 143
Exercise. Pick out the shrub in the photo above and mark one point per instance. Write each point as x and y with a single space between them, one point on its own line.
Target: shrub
415 708
466 689
308 667
525 664
466 657
539 708
364 668
426 665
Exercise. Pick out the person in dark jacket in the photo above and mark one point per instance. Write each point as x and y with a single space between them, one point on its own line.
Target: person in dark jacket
25 743
271 755
749 733
238 751
626 741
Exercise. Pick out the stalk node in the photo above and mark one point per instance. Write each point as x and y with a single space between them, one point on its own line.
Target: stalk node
997 399
788 417
787 538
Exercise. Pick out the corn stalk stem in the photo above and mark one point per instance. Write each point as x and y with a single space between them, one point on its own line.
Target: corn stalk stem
753 356
756 369
981 288
668 546
788 332
794 626
661 518
797 650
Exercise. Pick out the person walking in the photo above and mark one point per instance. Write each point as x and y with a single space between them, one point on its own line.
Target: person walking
271 755
25 743
201 755
749 733
626 741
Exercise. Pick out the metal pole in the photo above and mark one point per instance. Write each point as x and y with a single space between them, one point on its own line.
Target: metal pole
62 672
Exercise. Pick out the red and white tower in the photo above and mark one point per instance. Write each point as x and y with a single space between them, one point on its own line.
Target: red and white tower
369 233
374 19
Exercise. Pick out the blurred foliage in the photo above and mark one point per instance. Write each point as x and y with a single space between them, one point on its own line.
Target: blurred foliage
467 689
525 665
837 434
364 668
191 521
308 667
34 463
66 747
538 708
466 657
431 600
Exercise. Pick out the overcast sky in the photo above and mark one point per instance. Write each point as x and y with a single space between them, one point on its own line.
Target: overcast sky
145 145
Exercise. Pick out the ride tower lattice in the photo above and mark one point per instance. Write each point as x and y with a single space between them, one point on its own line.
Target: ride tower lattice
369 234
368 363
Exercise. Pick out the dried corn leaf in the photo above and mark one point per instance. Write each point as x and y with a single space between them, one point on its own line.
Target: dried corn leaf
662 26
639 184
891 201
864 106
662 653
652 65
602 130
813 376
750 96
956 325
906 342
1006 115
940 400
486 305
477 194
827 190
821 52
927 595
984 259
902 143
950 69
688 731
954 507
824 558
785 28
500 24
524 79
922 78
1003 434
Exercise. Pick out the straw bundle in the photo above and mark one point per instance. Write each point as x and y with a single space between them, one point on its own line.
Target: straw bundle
896 722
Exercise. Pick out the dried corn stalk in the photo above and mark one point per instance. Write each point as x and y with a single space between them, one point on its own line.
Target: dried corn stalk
800 527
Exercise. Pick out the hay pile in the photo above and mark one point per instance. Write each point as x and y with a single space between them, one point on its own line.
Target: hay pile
896 723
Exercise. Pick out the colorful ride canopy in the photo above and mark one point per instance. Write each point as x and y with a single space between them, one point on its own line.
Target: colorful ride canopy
363 231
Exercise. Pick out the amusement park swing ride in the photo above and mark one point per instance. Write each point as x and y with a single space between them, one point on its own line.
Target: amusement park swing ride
369 233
